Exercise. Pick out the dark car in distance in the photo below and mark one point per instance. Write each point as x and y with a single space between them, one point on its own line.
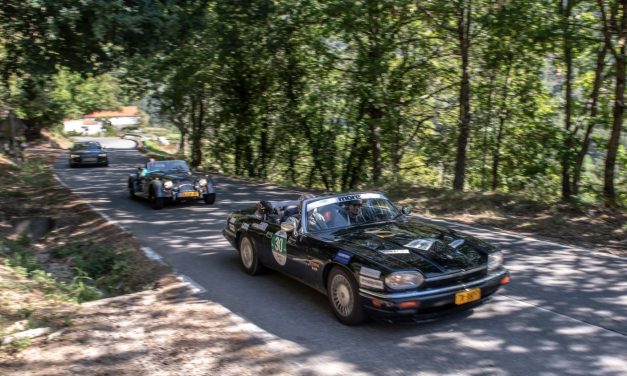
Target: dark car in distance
89 153
371 259
170 181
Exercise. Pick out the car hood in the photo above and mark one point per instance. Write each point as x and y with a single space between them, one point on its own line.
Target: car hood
411 244
177 177
87 152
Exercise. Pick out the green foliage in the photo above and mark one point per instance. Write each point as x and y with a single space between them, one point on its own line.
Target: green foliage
369 93
20 344
104 271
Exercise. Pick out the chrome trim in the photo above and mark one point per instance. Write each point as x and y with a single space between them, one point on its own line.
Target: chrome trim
462 273
181 189
418 294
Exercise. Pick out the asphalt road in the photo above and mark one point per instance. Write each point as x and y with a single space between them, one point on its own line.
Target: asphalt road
564 313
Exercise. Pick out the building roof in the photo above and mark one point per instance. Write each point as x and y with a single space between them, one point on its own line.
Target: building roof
124 111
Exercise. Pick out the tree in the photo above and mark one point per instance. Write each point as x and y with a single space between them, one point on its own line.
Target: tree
614 22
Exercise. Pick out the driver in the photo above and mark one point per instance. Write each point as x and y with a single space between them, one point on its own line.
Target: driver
354 213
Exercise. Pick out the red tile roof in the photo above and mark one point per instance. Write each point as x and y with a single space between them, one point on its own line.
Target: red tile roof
125 111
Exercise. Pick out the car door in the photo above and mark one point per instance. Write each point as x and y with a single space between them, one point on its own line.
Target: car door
303 259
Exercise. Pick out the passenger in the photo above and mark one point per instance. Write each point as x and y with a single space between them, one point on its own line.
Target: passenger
145 170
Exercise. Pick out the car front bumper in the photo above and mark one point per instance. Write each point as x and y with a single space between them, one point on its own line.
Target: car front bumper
187 195
431 304
89 160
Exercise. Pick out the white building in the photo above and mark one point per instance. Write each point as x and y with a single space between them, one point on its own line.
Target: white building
124 117
83 126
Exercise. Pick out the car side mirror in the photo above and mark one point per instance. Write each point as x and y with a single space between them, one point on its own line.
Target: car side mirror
406 209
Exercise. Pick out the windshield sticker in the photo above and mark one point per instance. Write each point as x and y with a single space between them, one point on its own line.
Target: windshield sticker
245 226
335 200
456 243
369 282
422 244
348 198
343 257
395 251
261 226
369 272
278 243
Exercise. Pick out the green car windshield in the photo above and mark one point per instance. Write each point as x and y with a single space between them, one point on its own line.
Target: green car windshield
167 166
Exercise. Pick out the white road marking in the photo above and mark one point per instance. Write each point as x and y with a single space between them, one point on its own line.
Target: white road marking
195 287
151 254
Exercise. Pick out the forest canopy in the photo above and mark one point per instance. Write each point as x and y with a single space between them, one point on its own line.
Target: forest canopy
514 96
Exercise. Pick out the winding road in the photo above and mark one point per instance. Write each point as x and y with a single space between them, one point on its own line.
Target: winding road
564 313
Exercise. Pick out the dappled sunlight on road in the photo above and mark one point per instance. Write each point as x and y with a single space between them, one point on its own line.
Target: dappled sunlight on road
543 318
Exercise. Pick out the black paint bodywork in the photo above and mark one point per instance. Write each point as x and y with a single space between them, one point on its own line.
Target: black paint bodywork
310 257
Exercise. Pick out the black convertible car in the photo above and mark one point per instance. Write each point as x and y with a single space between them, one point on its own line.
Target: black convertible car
88 153
170 181
370 258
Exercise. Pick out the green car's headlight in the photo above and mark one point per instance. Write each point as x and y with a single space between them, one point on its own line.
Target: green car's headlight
74 156
167 184
404 280
495 260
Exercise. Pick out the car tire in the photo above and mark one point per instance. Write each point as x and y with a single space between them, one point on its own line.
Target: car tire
157 203
209 198
343 294
248 257
131 191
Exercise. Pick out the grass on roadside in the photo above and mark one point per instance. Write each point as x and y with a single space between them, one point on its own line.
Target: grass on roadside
82 259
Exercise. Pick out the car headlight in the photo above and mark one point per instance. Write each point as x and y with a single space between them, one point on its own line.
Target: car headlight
404 280
167 184
75 156
202 182
495 260
102 154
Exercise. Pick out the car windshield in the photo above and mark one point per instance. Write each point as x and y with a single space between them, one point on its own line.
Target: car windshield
167 166
349 210
87 146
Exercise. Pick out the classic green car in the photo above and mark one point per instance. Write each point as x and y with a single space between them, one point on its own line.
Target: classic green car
170 181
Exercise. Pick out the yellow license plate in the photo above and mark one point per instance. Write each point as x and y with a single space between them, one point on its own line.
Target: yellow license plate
189 194
467 296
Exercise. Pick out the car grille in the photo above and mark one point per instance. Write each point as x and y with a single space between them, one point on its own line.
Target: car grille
186 187
456 278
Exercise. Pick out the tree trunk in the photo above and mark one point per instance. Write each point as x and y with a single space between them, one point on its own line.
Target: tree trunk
463 24
593 109
198 129
376 115
486 124
615 26
496 157
609 192
565 6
